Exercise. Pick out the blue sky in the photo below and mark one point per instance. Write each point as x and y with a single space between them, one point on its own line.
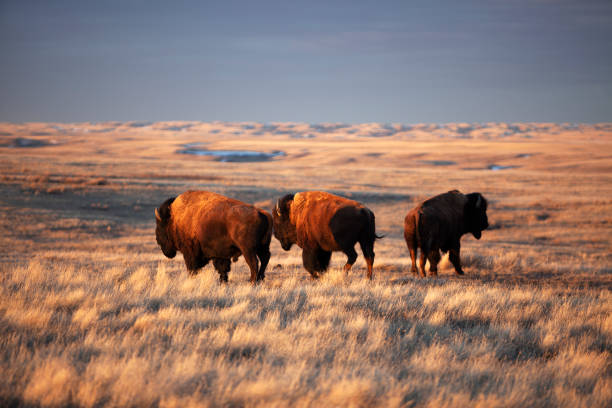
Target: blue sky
306 61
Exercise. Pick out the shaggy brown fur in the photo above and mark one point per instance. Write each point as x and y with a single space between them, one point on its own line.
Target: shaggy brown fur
438 224
206 226
320 223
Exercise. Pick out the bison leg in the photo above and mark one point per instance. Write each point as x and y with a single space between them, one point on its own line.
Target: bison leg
422 260
251 259
413 254
223 267
264 258
352 257
316 260
309 259
411 243
194 262
453 255
367 247
434 258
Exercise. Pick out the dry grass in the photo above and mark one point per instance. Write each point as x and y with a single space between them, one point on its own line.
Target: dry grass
92 314
146 334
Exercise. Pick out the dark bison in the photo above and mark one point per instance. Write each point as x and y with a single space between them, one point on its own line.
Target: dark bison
438 224
319 223
207 226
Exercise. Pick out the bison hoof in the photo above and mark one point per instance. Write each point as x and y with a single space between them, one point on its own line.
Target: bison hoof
460 272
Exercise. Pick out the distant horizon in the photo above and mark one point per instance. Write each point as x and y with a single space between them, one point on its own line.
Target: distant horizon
145 123
345 61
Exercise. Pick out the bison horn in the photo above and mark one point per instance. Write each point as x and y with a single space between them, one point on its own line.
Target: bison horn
277 209
479 201
157 215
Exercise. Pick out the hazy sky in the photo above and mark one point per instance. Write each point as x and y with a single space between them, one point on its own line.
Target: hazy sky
307 61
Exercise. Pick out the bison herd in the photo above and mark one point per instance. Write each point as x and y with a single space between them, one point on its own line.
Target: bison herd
206 226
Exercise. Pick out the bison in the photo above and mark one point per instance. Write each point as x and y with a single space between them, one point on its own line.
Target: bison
207 226
319 223
438 224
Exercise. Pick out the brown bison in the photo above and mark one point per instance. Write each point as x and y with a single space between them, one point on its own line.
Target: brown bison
319 223
438 224
207 226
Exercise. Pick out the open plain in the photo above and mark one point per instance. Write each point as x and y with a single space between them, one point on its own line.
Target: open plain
92 314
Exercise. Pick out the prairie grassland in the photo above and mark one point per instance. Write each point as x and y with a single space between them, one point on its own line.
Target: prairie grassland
142 333
92 314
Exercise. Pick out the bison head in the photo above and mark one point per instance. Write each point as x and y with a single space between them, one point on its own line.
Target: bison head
284 230
476 214
162 216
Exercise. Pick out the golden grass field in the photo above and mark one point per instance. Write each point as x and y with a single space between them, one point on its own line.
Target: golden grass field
92 314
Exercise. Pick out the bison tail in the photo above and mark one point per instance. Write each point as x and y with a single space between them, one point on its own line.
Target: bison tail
371 229
264 232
